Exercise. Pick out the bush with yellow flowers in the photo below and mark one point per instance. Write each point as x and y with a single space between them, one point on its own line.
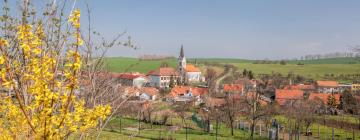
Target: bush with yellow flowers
39 85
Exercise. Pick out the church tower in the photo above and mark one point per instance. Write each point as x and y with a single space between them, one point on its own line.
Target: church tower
182 64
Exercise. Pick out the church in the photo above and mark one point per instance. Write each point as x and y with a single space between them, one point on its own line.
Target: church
188 72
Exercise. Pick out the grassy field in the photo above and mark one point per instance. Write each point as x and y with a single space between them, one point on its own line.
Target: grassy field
315 69
129 132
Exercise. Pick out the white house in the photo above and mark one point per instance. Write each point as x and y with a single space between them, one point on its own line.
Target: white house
149 93
161 77
130 79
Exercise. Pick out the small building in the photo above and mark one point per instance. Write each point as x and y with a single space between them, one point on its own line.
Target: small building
355 87
327 86
186 94
324 97
233 88
161 77
149 93
284 96
130 79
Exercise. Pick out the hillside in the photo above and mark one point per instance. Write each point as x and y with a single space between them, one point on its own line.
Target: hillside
311 68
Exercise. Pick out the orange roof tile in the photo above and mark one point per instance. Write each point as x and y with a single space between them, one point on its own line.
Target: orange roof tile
283 95
324 97
167 71
327 83
150 90
233 87
177 90
191 68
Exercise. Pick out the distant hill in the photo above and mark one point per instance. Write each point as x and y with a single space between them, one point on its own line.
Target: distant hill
345 60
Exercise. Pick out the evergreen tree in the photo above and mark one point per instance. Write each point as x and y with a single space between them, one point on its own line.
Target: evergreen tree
332 101
172 81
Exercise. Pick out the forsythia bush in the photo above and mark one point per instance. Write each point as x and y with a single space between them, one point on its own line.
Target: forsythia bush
38 100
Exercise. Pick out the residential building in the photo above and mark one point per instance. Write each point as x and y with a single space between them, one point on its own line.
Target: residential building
285 96
355 87
149 93
324 97
130 79
186 94
233 88
327 86
161 77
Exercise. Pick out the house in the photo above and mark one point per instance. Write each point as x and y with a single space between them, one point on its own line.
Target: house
327 86
233 88
188 72
161 77
130 79
324 97
186 94
303 87
128 91
149 93
284 96
355 87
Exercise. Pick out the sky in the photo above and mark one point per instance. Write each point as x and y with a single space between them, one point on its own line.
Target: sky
249 29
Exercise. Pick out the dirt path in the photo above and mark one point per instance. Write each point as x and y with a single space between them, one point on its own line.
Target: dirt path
217 83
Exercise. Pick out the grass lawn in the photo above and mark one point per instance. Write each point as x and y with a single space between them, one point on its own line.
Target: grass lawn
129 131
325 132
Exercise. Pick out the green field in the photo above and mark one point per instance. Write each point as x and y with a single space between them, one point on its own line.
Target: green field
113 131
312 68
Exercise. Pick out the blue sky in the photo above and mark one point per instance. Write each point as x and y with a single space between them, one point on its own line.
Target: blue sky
252 29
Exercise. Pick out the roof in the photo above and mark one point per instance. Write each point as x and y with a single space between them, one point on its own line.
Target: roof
166 71
324 97
150 91
283 95
196 91
233 87
191 68
301 87
327 83
129 76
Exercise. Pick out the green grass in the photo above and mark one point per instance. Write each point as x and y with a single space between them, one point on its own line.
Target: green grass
315 69
308 70
112 131
325 132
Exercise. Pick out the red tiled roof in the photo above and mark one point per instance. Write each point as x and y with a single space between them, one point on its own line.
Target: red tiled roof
177 90
167 71
327 83
283 95
300 87
324 97
191 68
233 87
150 90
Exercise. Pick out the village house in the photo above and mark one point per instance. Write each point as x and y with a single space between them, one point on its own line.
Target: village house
233 88
285 96
327 86
130 79
304 87
149 94
161 77
324 97
188 72
355 87
187 94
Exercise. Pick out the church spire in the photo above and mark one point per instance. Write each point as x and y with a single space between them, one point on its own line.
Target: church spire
182 52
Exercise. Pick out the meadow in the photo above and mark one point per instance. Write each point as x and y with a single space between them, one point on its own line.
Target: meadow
315 69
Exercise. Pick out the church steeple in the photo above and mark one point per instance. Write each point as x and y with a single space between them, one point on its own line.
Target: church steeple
182 52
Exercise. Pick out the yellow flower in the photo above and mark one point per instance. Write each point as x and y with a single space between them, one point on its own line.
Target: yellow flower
3 43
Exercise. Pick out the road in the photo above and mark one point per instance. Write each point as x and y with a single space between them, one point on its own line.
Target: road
217 83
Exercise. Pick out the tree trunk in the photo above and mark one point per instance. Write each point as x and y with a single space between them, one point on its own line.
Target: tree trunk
252 130
232 128
217 126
